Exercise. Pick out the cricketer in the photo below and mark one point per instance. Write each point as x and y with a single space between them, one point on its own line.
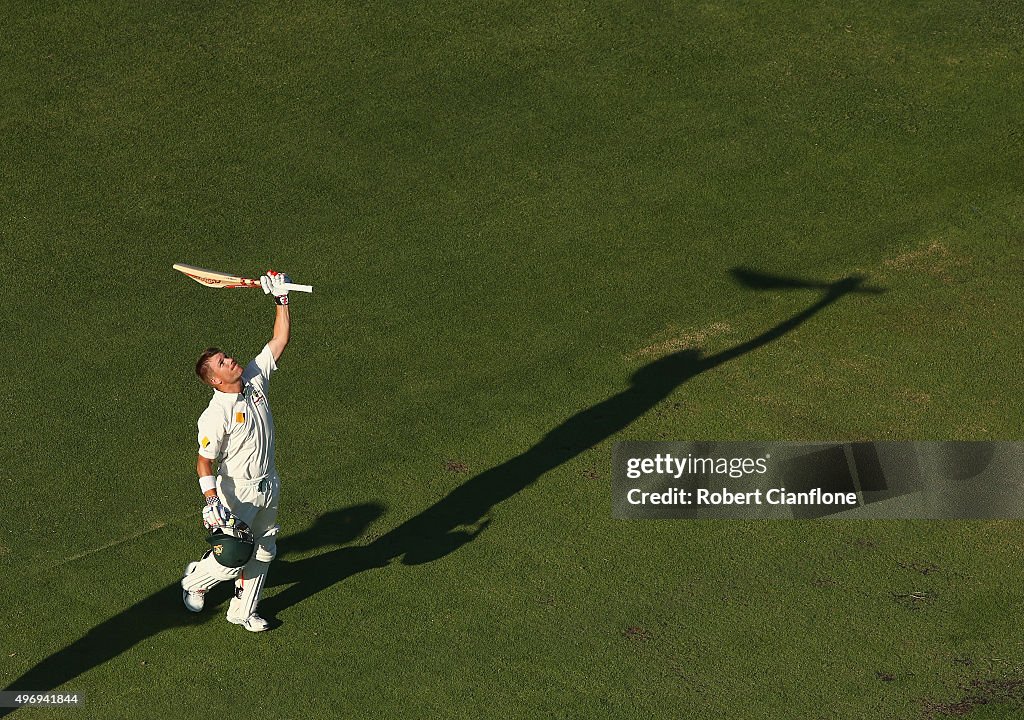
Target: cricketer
237 474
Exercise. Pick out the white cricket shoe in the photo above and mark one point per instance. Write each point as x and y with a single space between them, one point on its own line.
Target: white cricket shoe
194 601
253 623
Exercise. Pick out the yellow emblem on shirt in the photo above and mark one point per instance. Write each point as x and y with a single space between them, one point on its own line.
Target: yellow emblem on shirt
205 441
240 417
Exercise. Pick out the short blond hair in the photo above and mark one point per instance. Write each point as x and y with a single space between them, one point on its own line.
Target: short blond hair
203 364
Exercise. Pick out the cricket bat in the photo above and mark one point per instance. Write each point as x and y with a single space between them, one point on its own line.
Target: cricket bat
212 278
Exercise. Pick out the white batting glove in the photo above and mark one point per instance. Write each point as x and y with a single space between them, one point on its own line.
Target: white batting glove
273 284
215 515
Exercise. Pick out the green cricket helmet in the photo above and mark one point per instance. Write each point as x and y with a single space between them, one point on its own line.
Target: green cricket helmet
232 544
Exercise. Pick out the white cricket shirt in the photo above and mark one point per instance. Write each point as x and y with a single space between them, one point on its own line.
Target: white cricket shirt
236 429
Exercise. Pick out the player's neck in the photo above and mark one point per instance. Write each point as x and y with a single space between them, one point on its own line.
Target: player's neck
235 387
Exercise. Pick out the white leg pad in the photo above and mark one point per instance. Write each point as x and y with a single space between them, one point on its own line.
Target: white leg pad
208 573
248 589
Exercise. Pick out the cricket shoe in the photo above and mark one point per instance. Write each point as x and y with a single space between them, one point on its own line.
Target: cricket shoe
253 623
194 600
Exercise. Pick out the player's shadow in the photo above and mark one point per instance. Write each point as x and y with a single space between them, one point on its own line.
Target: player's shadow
462 515
163 609
445 526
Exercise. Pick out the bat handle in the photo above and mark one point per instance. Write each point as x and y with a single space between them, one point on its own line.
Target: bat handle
295 287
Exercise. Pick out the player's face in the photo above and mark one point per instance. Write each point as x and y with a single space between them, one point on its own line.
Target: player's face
224 369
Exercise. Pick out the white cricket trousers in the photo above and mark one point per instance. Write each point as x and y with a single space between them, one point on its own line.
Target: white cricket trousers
255 502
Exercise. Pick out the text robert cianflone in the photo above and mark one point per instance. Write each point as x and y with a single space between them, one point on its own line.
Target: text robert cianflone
772 496
667 464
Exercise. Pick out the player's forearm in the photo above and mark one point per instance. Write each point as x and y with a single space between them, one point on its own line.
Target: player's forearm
282 331
204 467
282 324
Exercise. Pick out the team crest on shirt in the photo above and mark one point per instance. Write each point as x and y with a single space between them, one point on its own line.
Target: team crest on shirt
253 392
239 417
204 442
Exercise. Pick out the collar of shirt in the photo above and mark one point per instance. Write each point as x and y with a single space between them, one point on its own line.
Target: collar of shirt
228 398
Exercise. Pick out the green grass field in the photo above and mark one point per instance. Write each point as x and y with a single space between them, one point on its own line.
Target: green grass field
507 210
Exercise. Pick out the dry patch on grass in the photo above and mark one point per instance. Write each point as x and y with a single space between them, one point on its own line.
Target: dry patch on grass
1006 693
972 430
681 340
637 633
933 258
914 397
924 568
4 550
456 467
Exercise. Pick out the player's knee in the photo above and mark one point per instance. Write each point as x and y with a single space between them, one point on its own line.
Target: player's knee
266 551
266 548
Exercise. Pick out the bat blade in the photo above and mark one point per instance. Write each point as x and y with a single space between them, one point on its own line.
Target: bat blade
213 278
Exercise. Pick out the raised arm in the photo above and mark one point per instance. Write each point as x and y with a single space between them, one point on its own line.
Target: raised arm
274 284
282 332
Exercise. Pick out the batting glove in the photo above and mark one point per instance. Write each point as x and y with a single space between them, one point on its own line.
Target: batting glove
215 515
273 284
